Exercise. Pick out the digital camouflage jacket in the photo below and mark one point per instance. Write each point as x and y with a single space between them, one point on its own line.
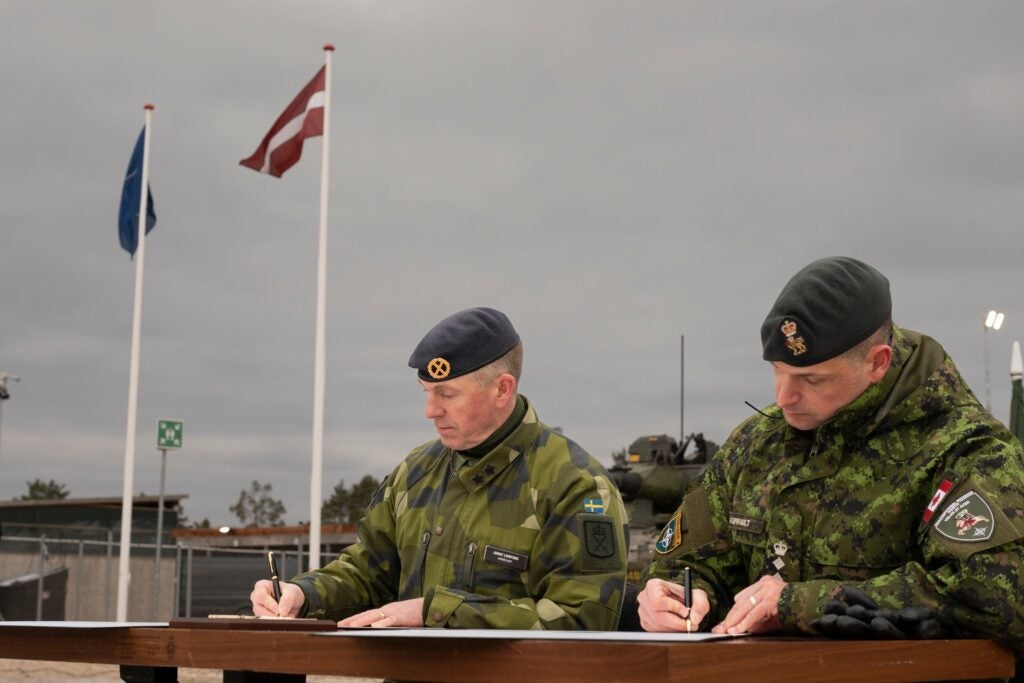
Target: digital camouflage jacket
912 492
529 536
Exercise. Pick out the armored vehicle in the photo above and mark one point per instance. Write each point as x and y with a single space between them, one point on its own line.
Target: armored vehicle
652 475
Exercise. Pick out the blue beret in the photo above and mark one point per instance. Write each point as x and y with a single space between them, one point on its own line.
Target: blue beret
827 308
462 343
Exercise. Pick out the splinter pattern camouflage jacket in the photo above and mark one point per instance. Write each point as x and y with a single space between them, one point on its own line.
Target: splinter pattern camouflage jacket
530 536
912 492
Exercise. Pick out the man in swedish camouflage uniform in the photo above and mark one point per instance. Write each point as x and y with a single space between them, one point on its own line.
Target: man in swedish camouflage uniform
876 474
501 522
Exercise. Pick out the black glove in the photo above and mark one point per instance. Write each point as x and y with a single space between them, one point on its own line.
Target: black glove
858 616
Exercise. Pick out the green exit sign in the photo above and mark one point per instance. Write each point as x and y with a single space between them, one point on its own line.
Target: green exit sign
168 433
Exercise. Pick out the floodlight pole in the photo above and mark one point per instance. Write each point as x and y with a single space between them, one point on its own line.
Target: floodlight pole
993 321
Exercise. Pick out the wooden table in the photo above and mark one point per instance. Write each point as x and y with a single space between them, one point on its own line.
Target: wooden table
154 654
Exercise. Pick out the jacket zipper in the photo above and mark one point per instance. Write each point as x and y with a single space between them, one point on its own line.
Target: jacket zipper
422 563
467 569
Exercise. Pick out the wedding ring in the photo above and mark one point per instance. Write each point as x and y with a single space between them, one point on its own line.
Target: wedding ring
382 617
753 600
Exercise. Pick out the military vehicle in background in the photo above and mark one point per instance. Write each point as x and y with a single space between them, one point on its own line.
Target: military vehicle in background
652 475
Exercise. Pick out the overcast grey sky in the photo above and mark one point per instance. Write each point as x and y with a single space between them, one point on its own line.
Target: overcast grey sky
610 174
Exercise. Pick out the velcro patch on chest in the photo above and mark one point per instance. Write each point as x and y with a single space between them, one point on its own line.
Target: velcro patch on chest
506 558
968 519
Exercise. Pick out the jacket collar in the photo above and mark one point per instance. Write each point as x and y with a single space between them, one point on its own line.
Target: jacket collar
495 461
900 396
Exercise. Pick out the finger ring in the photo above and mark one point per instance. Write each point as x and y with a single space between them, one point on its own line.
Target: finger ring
382 616
753 600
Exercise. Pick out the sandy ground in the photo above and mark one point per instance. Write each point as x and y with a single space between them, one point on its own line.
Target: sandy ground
70 672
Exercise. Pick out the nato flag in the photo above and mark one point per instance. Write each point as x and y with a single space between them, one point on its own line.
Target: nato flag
128 218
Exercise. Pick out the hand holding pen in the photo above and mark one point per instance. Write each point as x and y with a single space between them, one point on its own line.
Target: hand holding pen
272 598
667 606
274 576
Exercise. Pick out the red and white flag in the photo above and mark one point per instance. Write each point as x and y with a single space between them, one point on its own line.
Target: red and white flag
304 118
940 494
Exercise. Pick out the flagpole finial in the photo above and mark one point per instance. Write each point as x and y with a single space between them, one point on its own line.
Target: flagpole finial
149 105
329 47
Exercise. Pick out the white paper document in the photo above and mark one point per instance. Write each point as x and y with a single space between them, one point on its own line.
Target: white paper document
509 634
85 624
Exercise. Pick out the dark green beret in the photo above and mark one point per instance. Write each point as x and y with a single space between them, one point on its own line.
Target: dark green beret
827 308
462 343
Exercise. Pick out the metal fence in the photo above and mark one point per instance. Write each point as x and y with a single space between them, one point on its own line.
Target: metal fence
198 579
219 580
29 557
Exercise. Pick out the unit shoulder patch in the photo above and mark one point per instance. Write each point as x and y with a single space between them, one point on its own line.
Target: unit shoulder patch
600 548
671 535
600 540
968 519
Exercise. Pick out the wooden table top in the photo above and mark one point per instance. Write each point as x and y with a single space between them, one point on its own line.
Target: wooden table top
415 656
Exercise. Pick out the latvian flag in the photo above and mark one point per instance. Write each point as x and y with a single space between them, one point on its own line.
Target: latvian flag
304 118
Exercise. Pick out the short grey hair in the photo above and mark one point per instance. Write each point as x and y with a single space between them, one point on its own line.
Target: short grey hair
511 363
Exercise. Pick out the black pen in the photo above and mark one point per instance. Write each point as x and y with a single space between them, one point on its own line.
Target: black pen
274 577
687 596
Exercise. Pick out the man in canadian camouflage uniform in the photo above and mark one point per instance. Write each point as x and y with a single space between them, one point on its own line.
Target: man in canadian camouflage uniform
875 473
501 522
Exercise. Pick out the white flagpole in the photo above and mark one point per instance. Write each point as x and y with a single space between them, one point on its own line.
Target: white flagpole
123 573
316 475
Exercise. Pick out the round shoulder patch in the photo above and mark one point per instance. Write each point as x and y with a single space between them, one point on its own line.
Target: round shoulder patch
968 519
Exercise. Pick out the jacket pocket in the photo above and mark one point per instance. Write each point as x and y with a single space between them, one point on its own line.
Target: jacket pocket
857 548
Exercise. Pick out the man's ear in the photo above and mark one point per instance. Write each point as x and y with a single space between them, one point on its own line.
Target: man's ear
506 388
879 358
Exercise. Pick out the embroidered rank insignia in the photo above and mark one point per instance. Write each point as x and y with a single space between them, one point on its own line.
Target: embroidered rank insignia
940 494
670 536
595 505
968 519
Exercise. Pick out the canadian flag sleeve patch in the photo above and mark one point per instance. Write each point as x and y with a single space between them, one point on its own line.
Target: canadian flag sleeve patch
940 495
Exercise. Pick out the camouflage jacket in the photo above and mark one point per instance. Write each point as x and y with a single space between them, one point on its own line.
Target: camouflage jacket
912 492
530 536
